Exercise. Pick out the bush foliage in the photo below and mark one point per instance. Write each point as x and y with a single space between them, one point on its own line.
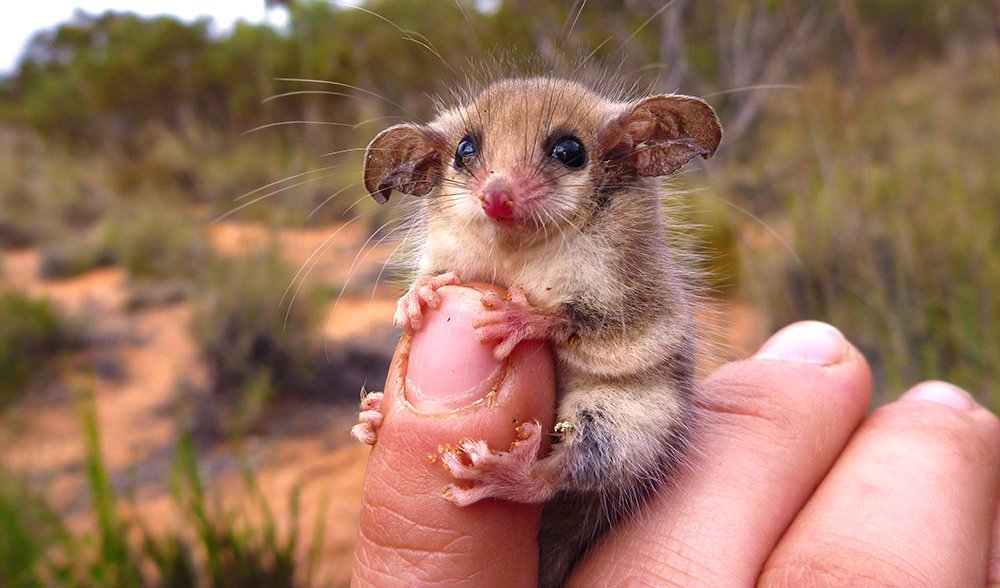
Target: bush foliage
33 334
255 340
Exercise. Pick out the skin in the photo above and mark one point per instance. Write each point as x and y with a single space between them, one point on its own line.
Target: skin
788 484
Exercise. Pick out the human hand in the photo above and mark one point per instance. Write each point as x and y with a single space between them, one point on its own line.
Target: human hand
789 483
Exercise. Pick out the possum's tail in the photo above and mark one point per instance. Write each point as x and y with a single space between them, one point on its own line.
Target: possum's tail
571 522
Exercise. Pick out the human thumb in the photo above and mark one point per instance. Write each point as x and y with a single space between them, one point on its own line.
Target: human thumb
443 386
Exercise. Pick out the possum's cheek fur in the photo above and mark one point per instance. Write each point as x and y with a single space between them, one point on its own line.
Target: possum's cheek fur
459 193
566 195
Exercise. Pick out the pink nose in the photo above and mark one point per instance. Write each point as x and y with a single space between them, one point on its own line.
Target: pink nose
497 204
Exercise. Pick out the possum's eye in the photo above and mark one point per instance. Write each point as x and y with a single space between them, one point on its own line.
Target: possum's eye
464 153
569 151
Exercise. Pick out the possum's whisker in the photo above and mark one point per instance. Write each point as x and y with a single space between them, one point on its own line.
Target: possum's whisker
301 92
334 195
388 260
755 87
569 31
233 211
539 221
468 21
297 122
283 180
375 119
558 225
389 234
320 123
359 259
408 34
766 227
316 252
569 222
434 51
349 86
598 48
645 23
350 150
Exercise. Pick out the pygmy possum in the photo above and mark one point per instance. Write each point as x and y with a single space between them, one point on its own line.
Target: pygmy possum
551 189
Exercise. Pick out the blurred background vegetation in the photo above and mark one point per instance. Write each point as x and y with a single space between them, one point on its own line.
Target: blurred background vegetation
857 184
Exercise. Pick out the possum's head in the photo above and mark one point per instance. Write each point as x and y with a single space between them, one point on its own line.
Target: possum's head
527 154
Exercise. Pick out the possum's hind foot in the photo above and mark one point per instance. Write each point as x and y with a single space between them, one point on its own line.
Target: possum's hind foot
517 474
369 419
512 319
409 309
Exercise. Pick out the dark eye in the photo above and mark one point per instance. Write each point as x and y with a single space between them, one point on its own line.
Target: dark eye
570 152
465 152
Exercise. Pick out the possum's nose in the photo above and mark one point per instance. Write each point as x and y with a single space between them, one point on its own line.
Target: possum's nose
498 204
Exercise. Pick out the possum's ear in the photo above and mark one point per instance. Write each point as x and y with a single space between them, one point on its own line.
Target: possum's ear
405 158
658 135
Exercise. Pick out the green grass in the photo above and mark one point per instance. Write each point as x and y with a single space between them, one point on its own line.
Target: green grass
34 542
233 546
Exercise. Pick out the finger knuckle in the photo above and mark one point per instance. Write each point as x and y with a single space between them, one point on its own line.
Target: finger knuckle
966 440
749 407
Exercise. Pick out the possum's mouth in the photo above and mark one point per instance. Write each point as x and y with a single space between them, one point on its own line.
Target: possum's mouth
508 223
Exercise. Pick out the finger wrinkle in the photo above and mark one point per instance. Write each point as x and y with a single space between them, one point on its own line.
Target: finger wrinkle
745 400
683 570
366 574
770 402
406 531
760 444
843 561
416 555
645 566
397 489
409 565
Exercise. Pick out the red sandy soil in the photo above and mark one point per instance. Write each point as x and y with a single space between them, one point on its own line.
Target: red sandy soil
42 437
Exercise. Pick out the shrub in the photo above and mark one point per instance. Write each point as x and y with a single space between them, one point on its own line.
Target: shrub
254 345
46 192
154 241
71 257
32 336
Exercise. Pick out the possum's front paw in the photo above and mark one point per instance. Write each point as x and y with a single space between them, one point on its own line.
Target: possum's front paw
517 474
510 320
409 309
369 419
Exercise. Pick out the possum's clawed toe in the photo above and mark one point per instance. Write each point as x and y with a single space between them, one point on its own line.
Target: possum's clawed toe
517 474
409 308
369 419
510 320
